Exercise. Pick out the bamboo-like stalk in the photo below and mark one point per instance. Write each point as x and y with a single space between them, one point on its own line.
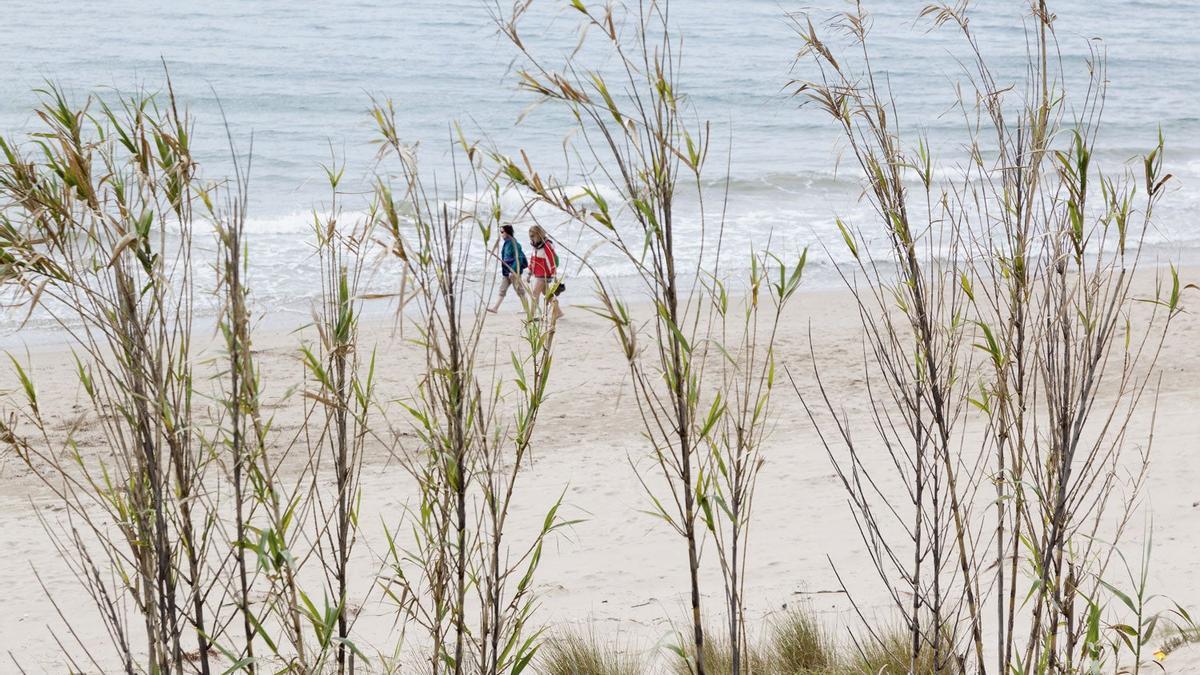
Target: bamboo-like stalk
1012 257
474 438
638 143
344 393
241 399
643 159
98 235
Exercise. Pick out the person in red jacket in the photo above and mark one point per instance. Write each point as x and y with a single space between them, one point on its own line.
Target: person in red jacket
543 268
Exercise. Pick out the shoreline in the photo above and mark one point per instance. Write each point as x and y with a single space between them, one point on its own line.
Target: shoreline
274 318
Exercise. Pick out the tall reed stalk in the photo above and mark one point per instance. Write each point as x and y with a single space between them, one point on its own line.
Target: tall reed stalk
640 145
474 427
97 229
269 510
1015 258
705 430
243 435
743 333
341 391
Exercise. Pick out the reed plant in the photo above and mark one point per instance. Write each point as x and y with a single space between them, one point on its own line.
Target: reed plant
340 390
574 654
241 435
705 428
228 532
464 579
183 516
287 524
1002 297
99 209
734 430
295 499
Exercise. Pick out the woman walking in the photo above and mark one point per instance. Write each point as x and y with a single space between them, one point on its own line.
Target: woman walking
543 267
512 264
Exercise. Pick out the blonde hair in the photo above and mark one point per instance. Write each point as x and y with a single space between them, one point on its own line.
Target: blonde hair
536 233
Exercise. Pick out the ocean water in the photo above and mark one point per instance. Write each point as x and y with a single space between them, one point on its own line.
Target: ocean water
298 77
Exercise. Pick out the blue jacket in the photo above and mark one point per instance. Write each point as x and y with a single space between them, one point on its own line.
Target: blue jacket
512 258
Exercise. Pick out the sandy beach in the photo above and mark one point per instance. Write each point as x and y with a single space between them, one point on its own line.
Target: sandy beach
618 573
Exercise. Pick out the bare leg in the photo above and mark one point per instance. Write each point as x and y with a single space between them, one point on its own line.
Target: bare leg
541 288
505 282
519 285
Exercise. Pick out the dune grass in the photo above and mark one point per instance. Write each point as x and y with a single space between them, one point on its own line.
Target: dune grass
718 657
1177 640
891 654
576 654
801 644
796 643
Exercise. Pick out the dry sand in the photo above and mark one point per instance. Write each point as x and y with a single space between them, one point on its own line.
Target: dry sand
618 573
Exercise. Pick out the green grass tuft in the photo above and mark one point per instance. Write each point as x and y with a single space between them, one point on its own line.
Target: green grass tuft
892 654
573 654
801 645
718 657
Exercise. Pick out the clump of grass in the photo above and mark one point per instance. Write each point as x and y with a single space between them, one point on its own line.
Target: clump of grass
800 644
797 644
1179 640
719 657
890 653
574 654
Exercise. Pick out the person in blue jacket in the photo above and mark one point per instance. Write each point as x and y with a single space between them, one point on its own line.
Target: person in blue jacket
512 264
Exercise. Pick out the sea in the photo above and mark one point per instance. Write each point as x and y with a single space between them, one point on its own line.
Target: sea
294 81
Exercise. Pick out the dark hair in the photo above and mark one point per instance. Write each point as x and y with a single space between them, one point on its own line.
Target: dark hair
507 229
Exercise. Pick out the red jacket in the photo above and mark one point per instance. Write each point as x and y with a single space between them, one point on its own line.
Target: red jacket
543 261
